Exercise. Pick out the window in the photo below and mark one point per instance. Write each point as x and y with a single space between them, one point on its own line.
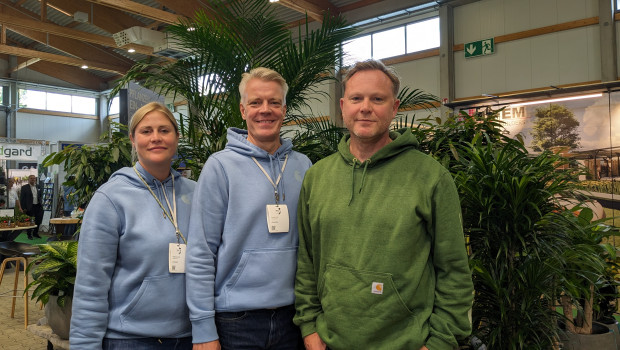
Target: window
423 35
409 38
388 43
57 102
115 107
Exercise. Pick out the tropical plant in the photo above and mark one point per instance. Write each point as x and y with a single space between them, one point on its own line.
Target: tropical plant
92 165
53 271
234 37
587 272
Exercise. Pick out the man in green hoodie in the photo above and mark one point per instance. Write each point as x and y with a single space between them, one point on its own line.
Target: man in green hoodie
382 261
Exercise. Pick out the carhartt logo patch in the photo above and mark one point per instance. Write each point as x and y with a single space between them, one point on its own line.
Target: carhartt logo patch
377 288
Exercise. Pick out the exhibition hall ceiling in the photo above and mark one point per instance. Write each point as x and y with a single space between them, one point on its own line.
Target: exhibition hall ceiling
60 38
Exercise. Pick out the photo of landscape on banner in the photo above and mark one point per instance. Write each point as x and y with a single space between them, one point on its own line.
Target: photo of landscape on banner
586 128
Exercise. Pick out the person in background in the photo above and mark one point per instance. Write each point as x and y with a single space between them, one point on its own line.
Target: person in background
130 285
13 193
30 204
242 247
381 265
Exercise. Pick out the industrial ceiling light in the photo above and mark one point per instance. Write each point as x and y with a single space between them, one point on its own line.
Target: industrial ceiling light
131 50
274 0
84 66
559 99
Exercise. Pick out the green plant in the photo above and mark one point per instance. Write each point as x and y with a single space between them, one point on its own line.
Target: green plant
92 165
233 38
53 271
587 280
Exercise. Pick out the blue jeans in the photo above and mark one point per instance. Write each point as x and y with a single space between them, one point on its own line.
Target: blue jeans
148 344
271 329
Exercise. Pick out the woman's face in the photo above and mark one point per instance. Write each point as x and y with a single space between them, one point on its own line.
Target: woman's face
155 140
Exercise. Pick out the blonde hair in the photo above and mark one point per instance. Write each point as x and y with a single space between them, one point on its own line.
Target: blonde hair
148 108
264 74
374 65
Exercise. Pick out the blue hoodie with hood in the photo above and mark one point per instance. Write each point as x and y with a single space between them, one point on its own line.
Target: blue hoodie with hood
123 288
229 234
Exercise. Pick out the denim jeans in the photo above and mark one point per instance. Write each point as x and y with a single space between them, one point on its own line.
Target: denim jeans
148 344
271 329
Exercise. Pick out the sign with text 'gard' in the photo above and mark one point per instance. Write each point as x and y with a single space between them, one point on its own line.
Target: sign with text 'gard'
479 48
20 151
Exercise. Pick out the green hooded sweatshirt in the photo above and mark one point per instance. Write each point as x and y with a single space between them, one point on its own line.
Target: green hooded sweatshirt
382 261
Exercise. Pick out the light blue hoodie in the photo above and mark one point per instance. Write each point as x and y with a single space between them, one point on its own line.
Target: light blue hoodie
123 287
229 234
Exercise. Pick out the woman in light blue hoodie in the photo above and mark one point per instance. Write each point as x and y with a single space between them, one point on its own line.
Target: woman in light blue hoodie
130 286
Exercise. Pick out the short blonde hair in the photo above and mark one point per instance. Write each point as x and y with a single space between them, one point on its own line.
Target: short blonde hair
264 74
373 65
148 108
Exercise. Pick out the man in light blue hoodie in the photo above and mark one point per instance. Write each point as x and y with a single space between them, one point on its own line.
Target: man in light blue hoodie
242 245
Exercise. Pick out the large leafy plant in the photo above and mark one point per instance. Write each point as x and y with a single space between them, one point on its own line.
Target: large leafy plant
92 165
53 271
224 41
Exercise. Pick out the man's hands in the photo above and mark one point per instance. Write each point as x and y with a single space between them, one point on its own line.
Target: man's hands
212 345
314 342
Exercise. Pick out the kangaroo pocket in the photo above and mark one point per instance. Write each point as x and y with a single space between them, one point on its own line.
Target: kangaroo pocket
158 309
262 279
361 304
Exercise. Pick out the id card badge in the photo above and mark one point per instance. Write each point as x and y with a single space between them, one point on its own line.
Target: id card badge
176 258
277 218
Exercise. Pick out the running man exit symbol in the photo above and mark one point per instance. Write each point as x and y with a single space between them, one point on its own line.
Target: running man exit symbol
479 48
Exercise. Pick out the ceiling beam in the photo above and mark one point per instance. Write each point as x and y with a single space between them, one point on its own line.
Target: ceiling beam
76 48
186 8
68 33
139 9
72 75
99 15
314 8
70 61
25 64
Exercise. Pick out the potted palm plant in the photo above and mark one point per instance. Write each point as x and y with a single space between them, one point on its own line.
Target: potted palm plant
53 273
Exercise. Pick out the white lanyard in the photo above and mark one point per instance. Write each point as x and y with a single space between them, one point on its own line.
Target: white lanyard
172 215
274 184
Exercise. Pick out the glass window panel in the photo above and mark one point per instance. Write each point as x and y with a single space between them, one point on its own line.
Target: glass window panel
115 106
32 99
83 105
423 35
388 43
358 49
58 102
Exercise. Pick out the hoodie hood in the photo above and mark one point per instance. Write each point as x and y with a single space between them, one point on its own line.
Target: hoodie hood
238 142
270 164
402 140
127 174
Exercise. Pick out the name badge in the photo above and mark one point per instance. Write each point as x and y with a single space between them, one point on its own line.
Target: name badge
176 258
277 218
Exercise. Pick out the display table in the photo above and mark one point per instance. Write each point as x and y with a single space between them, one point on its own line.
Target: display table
41 329
10 233
59 226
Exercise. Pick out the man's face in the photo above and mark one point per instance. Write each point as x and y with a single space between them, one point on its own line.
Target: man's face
368 106
32 180
263 109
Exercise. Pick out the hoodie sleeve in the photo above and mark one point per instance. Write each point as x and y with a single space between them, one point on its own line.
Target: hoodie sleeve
208 214
307 301
97 251
454 288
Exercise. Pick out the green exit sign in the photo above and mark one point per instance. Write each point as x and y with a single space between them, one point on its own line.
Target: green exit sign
479 48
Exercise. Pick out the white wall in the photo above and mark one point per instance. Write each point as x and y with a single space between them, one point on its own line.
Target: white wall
566 57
